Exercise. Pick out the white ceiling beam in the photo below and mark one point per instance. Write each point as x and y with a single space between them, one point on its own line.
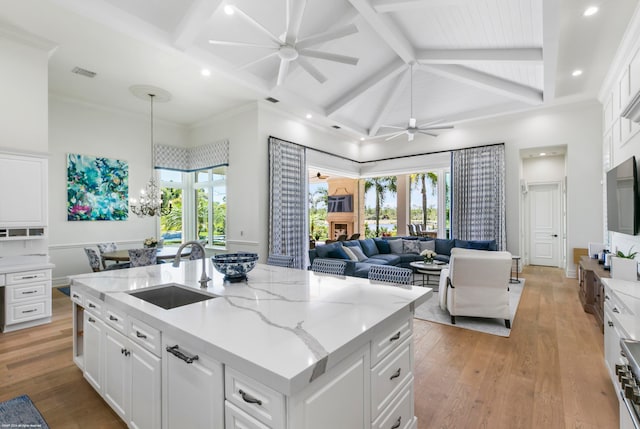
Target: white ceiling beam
380 77
388 103
384 6
470 56
550 44
192 23
386 29
485 81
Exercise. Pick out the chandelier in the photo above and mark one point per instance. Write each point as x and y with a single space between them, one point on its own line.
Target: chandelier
150 201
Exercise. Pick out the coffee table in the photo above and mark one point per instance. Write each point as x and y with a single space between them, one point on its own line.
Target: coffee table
429 270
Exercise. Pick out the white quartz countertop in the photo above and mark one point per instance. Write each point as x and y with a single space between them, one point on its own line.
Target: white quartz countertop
278 326
12 264
628 292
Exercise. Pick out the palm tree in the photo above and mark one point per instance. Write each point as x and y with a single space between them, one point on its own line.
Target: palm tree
380 185
420 180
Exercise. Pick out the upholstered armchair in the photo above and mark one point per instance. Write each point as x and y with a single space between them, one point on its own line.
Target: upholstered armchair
476 284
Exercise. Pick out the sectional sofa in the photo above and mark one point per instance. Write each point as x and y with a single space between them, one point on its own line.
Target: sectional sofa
397 251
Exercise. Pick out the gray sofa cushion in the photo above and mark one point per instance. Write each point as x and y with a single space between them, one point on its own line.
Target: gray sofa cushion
369 247
396 246
427 245
389 258
357 250
410 246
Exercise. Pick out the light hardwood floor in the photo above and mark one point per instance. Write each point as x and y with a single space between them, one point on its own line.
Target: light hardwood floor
548 374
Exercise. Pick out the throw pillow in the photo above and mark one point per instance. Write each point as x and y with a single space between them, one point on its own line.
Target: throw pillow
383 245
464 244
396 246
427 245
444 246
358 253
349 253
410 246
369 247
482 244
323 250
338 253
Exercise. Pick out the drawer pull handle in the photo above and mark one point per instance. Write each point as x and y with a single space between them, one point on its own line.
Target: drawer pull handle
125 352
606 297
92 320
115 319
29 311
76 295
28 292
615 310
28 277
397 424
610 323
395 337
248 398
91 305
140 334
175 350
395 374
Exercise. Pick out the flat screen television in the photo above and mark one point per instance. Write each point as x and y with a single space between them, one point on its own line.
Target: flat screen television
623 209
340 203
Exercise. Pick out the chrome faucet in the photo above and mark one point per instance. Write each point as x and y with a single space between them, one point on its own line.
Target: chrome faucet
176 261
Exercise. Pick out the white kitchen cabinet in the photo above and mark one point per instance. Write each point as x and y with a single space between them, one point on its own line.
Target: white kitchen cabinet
192 388
26 299
93 348
132 381
23 191
613 332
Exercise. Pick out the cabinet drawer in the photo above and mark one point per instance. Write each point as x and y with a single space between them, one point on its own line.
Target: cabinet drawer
22 312
399 415
235 418
21 293
93 305
115 318
77 297
390 338
145 335
28 276
390 376
254 398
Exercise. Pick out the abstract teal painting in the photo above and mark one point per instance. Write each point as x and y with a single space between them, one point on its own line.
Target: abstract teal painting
97 188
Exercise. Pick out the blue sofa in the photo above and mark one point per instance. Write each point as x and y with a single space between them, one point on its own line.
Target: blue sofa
397 251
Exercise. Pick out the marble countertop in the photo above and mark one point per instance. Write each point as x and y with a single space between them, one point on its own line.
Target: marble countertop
12 264
628 293
277 327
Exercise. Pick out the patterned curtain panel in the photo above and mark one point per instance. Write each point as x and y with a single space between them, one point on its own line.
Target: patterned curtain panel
478 210
193 158
288 201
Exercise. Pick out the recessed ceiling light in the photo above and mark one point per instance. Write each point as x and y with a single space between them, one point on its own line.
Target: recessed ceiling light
576 73
228 9
361 139
542 153
205 72
591 10
309 116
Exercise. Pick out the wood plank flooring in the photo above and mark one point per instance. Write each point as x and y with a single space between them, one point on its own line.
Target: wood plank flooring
549 373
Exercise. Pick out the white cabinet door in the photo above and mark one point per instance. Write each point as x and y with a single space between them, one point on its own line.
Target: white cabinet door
93 350
192 388
31 175
145 389
117 372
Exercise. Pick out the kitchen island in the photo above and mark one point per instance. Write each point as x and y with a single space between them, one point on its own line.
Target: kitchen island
285 349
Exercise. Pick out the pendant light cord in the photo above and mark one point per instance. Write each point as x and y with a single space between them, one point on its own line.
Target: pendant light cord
411 88
153 154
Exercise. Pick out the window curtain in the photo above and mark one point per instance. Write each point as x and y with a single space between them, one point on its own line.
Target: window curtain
192 158
478 194
288 201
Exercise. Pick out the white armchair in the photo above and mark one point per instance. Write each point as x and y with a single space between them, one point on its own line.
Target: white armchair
476 284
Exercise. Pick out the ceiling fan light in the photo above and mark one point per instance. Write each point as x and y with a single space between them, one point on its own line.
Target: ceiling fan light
287 53
591 10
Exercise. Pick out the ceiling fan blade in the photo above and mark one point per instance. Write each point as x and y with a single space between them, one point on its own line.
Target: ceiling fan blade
249 64
282 72
240 44
329 56
295 10
429 134
442 127
327 36
412 122
311 69
393 136
411 137
426 124
257 25
392 126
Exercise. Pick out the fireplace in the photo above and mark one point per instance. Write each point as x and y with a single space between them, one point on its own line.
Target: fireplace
339 228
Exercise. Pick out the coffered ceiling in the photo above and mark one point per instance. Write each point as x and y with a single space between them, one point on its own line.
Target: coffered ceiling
360 65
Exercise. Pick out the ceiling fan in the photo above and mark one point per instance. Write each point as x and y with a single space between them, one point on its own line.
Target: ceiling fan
288 48
321 176
412 129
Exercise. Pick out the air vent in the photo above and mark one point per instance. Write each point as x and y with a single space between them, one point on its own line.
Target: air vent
83 72
337 127
272 100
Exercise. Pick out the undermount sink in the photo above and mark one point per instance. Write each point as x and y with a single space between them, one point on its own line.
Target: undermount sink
170 295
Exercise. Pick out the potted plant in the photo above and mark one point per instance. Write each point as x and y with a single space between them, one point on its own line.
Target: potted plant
150 242
624 266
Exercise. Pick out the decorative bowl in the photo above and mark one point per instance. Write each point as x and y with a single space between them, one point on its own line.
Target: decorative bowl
234 266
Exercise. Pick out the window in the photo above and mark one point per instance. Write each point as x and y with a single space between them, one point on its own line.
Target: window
380 206
172 189
430 191
211 201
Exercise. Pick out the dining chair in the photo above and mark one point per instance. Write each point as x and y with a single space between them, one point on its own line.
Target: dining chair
94 259
196 253
395 276
105 248
354 236
143 257
280 260
329 266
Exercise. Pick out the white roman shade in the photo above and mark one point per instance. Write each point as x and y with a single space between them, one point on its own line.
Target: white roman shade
193 158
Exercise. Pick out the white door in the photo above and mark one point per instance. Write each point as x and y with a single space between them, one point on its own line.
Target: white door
544 214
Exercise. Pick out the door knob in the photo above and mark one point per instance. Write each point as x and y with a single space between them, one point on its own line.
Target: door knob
554 235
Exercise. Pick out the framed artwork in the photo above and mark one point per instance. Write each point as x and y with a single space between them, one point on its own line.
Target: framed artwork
97 188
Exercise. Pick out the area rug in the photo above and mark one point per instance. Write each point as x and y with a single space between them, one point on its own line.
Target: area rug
21 413
65 290
432 312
